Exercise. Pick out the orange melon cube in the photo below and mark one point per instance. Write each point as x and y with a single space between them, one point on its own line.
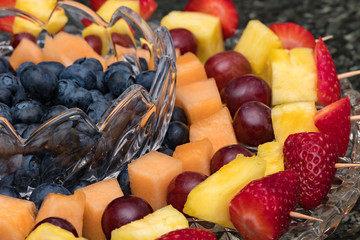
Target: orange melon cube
199 99
27 50
189 70
217 127
195 156
66 48
98 196
150 176
69 207
17 218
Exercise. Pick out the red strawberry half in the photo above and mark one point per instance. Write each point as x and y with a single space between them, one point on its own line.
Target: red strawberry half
334 120
312 156
293 35
261 210
188 234
6 23
224 9
328 84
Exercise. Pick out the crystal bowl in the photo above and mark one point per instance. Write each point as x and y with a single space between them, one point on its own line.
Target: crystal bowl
75 147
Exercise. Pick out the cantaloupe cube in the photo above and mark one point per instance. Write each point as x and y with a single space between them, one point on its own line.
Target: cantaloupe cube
272 153
189 70
293 118
17 217
195 156
27 50
199 100
69 207
293 75
217 128
98 196
150 176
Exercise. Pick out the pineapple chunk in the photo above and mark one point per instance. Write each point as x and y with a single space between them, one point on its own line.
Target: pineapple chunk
107 10
293 75
272 153
205 27
47 231
210 199
293 118
152 226
255 44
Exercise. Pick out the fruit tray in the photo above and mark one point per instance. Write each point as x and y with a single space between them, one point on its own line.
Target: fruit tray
136 122
81 149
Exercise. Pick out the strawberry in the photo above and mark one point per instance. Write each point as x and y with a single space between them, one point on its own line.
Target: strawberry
96 4
293 35
261 210
6 23
334 120
328 84
224 9
147 8
188 234
312 156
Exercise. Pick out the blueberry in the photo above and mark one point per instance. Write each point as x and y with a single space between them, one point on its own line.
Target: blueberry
80 98
51 169
5 112
28 174
90 63
29 130
9 191
39 82
110 97
53 66
143 64
20 128
52 112
145 79
118 81
9 81
22 67
97 95
100 84
81 75
179 115
96 110
166 151
19 96
29 111
7 180
118 66
65 87
5 96
4 65
123 179
40 192
177 134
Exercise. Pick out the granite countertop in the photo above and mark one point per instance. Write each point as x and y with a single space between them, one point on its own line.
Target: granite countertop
338 18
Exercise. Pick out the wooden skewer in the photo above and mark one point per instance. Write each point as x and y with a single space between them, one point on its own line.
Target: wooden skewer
327 37
355 118
345 165
303 216
348 74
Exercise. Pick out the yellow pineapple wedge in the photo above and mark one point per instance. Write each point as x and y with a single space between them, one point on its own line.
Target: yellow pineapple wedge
205 27
210 199
255 44
293 75
152 226
47 231
292 118
272 153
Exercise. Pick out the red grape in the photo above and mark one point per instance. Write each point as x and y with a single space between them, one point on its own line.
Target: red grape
184 40
122 40
94 42
123 210
252 124
16 38
245 89
60 222
180 187
225 66
226 154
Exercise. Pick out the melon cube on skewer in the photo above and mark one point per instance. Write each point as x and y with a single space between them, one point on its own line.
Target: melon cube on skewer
150 176
292 118
199 100
293 75
189 70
